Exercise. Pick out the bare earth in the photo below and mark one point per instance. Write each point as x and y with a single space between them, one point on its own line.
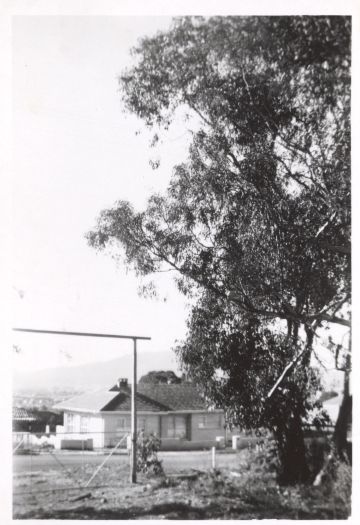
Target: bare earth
191 489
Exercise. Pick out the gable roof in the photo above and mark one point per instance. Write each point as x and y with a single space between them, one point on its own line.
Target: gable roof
122 401
183 396
149 398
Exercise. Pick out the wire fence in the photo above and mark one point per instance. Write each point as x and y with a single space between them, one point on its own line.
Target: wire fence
46 463
64 461
64 466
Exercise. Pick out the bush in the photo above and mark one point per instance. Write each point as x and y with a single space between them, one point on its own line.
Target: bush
147 459
262 459
338 483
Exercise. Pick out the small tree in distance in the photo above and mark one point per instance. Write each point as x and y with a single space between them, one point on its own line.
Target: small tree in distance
159 377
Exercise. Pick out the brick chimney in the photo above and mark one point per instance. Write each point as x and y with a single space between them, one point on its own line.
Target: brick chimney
122 382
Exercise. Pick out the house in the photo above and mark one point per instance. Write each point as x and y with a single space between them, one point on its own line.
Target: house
177 413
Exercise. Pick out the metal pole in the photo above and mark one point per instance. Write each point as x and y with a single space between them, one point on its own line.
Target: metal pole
133 420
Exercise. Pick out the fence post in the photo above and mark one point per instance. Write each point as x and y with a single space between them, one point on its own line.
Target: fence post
213 457
82 456
30 453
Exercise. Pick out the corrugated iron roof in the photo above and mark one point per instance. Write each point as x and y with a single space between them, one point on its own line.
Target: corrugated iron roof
92 401
152 398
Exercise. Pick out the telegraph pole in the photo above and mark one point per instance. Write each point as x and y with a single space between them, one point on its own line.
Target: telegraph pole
133 418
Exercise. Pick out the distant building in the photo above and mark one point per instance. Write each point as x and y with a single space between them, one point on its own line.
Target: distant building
22 419
34 420
176 413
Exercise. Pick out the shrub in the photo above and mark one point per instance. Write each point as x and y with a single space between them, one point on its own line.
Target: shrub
338 483
261 459
147 459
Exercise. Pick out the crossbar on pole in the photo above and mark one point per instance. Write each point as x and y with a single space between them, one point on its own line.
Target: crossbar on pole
83 334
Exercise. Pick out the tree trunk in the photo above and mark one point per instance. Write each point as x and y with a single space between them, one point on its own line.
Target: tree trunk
292 452
344 419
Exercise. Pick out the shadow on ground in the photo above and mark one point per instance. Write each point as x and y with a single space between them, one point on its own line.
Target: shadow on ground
176 511
166 510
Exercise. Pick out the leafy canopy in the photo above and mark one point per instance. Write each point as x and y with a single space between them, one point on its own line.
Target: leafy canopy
258 215
236 360
160 376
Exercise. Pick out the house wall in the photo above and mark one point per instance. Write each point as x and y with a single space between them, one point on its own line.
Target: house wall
176 431
117 425
175 426
152 424
207 426
82 425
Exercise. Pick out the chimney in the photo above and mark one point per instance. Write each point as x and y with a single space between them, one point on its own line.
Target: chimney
122 382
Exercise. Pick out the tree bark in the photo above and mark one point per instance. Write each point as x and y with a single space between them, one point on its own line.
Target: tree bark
344 419
292 452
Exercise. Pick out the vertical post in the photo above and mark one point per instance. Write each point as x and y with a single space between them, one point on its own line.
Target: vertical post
213 461
133 419
30 454
82 456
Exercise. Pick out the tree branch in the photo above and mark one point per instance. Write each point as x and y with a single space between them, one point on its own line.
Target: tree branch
286 370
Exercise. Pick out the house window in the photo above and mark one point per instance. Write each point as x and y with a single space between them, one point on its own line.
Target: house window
84 424
210 421
176 427
123 424
70 423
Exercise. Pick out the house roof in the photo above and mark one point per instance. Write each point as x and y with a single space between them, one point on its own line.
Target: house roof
149 397
143 403
183 396
92 401
332 407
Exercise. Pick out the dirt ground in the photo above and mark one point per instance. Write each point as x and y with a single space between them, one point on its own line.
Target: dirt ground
229 492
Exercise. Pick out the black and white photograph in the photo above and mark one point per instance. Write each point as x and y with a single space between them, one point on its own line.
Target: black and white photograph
181 343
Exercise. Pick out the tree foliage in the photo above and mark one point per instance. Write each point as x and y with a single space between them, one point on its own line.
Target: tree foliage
147 460
160 376
260 212
256 221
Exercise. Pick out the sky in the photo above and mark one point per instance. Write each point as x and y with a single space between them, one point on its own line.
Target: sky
75 152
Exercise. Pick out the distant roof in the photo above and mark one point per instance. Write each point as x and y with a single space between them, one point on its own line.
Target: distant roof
151 398
327 395
91 401
332 407
21 414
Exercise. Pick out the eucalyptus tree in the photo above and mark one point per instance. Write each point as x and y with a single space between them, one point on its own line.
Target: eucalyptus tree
257 217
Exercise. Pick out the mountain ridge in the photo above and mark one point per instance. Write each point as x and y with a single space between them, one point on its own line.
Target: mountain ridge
93 375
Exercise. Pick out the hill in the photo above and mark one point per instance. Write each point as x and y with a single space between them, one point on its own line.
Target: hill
93 375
